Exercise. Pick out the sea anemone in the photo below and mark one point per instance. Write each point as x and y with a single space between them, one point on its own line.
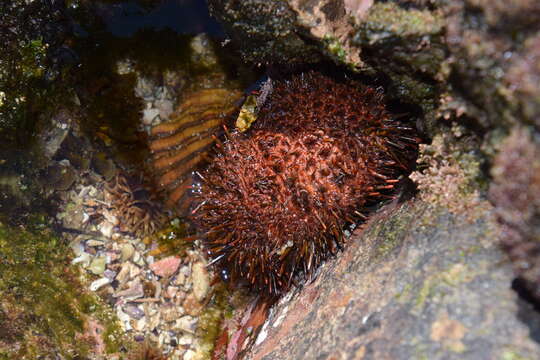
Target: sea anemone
275 200
135 205
180 146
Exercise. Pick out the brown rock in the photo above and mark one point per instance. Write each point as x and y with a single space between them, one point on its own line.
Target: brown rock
192 306
166 267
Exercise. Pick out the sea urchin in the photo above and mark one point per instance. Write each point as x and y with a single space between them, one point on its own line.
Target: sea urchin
275 200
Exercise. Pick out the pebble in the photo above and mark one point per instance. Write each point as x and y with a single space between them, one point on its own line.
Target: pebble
138 259
170 313
95 285
201 281
84 259
166 310
187 324
134 271
164 108
189 355
123 317
192 306
166 267
97 266
134 291
164 338
94 242
127 252
123 275
180 278
186 339
77 247
171 291
177 354
109 274
154 321
140 324
149 115
134 311
106 229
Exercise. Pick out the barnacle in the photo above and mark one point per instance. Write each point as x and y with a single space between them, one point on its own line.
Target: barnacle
274 201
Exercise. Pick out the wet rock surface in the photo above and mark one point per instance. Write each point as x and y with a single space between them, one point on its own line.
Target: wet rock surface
418 282
422 279
266 31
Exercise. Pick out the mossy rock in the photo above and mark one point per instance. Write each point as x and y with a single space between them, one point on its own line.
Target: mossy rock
45 310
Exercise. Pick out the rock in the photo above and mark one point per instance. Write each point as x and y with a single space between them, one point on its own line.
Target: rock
52 138
140 325
202 52
170 313
127 252
185 339
201 280
189 355
418 281
97 266
99 283
103 166
95 242
133 311
109 274
267 30
59 176
166 267
134 291
164 107
149 115
106 228
187 324
192 306
83 259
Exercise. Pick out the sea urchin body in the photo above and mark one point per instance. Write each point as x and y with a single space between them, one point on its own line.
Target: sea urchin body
275 199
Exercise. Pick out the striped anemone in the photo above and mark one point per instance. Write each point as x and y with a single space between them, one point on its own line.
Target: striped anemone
181 146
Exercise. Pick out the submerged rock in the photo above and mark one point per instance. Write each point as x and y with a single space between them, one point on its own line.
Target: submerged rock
45 310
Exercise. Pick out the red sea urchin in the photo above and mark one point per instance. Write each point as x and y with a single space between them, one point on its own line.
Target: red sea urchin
275 200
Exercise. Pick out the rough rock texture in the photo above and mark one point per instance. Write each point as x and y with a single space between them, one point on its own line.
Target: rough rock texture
470 70
475 60
418 283
264 30
514 191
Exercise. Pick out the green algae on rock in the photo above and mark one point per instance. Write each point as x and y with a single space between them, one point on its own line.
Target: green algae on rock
430 296
31 36
407 46
45 310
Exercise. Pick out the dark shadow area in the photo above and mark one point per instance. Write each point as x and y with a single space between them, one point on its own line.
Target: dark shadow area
526 303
